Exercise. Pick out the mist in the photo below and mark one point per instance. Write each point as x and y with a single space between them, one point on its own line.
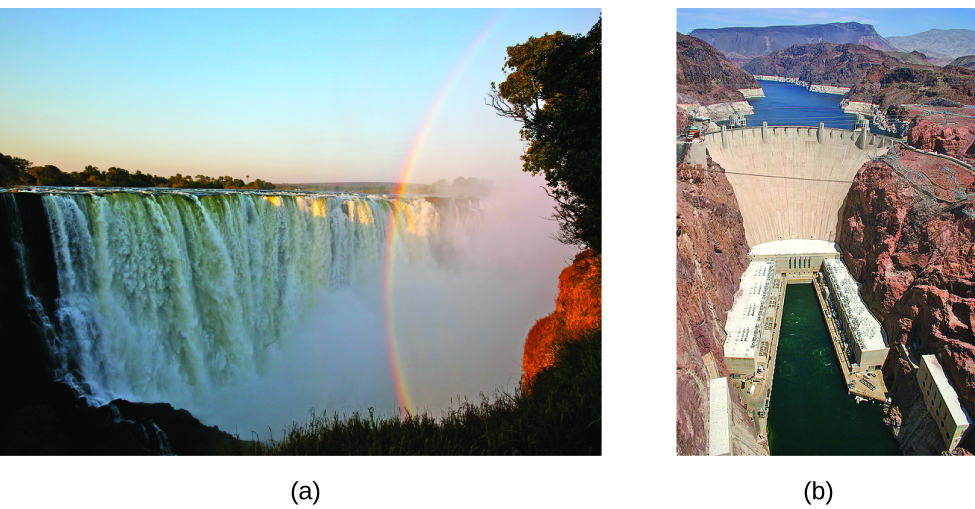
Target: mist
460 326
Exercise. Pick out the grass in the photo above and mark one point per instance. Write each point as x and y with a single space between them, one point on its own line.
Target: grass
560 415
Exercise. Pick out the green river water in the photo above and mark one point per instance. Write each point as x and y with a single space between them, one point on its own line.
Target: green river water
810 412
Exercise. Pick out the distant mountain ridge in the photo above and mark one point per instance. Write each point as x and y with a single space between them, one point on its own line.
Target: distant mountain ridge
936 42
743 43
823 63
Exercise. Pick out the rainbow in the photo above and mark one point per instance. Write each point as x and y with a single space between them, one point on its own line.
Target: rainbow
402 394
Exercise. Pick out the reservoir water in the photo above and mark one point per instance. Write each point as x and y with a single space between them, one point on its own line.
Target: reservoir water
810 412
788 104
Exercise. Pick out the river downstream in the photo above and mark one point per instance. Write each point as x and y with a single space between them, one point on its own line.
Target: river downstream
811 412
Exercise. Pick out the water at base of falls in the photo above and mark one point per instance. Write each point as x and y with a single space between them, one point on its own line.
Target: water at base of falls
811 412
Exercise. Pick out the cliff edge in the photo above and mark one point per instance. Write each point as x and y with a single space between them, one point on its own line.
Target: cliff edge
578 308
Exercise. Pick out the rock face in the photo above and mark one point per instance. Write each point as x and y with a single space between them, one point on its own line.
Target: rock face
705 76
711 257
743 43
954 140
915 85
937 42
578 308
915 259
823 63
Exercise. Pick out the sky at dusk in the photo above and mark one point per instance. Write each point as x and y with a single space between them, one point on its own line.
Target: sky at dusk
307 95
887 22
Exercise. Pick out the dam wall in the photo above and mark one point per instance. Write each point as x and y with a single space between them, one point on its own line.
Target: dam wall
791 181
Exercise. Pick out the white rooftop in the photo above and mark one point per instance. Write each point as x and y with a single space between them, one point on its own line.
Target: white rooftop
864 326
952 402
794 246
719 441
742 327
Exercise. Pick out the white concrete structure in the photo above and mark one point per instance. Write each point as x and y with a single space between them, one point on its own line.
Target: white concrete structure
942 401
751 93
743 328
865 334
858 107
797 260
829 89
791 182
719 429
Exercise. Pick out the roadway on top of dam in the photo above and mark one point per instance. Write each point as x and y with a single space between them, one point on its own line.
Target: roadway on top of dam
791 181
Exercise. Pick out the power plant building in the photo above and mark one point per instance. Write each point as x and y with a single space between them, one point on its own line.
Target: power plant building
942 401
863 331
745 328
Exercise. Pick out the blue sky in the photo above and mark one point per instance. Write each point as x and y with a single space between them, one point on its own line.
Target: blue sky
888 22
283 95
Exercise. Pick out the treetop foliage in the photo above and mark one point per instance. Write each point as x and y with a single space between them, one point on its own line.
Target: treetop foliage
15 171
553 87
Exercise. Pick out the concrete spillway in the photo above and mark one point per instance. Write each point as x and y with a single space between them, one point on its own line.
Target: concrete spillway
791 182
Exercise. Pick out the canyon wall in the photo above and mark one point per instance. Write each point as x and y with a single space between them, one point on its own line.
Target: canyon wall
711 257
908 236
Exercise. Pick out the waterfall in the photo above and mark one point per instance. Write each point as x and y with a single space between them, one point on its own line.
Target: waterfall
164 291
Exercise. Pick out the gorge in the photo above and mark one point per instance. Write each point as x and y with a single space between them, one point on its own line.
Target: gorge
755 187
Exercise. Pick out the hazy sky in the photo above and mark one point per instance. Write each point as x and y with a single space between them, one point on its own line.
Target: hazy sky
283 95
888 22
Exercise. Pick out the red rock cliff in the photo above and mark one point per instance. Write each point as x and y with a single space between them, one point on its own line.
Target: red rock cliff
711 257
578 308
915 258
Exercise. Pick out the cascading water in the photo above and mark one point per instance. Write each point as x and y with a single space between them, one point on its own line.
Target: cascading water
250 308
169 292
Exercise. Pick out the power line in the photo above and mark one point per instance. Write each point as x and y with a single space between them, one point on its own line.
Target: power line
788 178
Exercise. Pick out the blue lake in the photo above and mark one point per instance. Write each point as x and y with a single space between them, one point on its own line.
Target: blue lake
788 104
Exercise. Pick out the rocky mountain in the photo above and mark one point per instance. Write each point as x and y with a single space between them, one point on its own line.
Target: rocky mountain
743 43
914 57
823 63
936 42
915 258
915 85
711 257
967 61
705 76
874 76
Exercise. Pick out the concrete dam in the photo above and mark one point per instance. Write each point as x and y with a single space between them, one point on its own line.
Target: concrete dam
791 182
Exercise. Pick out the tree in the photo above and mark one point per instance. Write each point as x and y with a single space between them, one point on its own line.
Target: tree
11 169
552 86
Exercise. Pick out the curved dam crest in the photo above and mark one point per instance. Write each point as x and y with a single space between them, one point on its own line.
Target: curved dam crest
791 182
